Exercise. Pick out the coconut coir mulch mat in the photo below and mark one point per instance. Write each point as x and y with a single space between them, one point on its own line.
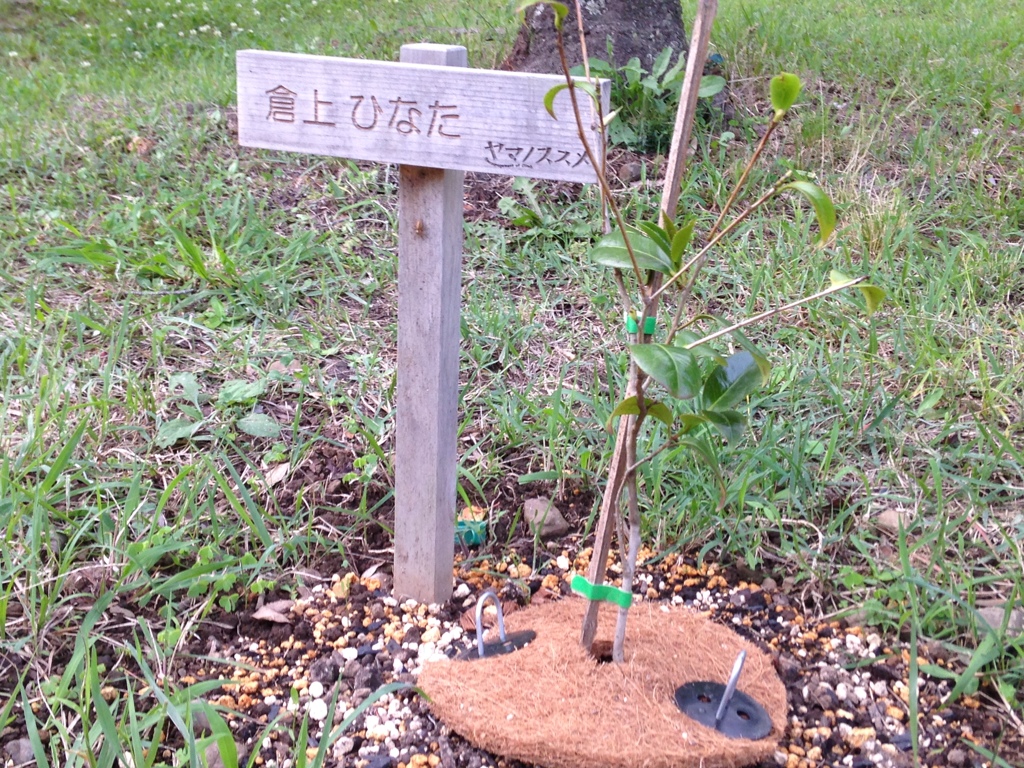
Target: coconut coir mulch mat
553 704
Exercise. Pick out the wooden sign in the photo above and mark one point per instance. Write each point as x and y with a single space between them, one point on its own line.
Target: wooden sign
415 114
436 119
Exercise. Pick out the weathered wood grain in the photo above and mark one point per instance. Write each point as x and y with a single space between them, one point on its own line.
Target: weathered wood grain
429 278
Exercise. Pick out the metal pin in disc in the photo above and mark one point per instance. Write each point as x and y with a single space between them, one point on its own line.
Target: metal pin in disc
730 687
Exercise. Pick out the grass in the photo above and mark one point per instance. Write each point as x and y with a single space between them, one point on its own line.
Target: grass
180 319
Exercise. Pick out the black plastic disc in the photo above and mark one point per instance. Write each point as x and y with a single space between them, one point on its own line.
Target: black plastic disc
744 718
513 642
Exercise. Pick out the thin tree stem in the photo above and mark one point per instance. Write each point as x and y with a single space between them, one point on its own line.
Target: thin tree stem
629 563
743 177
602 180
770 312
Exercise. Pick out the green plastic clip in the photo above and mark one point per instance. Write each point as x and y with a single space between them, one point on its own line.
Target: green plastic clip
604 593
649 325
470 533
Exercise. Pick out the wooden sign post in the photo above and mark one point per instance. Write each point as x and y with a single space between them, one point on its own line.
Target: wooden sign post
436 119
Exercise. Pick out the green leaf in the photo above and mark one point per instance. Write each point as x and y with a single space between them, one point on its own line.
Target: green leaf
544 476
631 407
710 85
988 650
661 62
707 454
221 734
839 279
191 254
560 9
237 495
101 255
785 89
239 391
174 430
301 759
931 670
759 357
610 251
691 421
259 425
598 68
730 383
62 461
674 368
685 338
680 241
730 424
873 295
105 718
995 760
633 71
823 207
651 85
674 77
33 729
657 234
188 384
549 99
588 89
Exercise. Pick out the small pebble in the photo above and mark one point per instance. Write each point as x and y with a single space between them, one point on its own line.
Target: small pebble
316 690
317 710
956 758
858 738
20 751
431 635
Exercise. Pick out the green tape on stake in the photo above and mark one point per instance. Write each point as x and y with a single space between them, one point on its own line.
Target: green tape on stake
604 593
650 324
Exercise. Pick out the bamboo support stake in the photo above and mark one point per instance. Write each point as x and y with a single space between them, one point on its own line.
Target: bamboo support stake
706 11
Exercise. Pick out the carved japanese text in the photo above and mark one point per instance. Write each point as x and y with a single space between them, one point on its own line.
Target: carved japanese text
500 155
366 113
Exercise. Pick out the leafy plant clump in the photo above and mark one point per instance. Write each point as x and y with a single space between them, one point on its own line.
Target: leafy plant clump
645 102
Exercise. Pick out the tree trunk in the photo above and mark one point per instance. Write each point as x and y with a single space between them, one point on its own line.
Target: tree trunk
641 28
